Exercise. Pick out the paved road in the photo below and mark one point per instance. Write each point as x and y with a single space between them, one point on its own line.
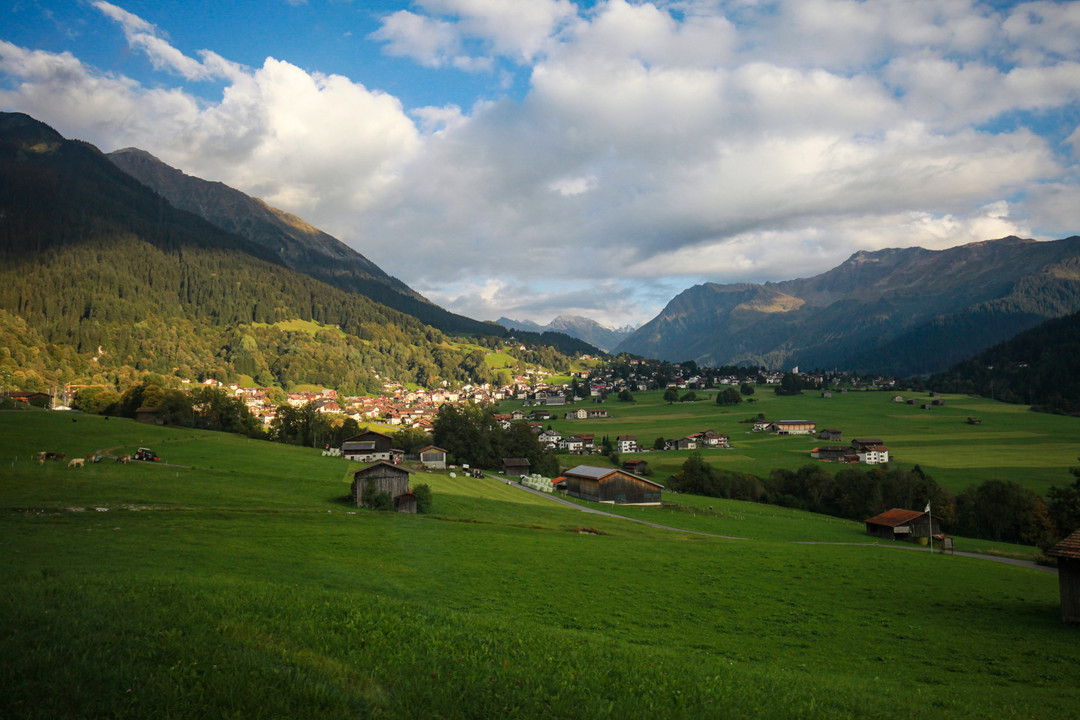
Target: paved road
898 546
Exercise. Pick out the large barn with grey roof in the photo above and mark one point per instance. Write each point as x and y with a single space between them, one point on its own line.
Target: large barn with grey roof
609 485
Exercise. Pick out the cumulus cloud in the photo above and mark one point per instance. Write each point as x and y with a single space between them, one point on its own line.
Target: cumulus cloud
657 144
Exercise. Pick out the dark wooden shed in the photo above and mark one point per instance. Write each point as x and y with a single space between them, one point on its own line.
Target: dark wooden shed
383 477
516 467
1067 553
609 485
899 524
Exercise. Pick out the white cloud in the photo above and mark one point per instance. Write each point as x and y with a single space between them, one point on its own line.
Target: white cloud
727 141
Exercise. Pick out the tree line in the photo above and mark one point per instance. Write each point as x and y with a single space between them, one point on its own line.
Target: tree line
994 509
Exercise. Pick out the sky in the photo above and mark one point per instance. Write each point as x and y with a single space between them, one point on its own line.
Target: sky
531 158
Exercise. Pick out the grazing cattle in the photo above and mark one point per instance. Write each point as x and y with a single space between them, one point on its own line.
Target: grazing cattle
59 456
124 459
41 457
76 462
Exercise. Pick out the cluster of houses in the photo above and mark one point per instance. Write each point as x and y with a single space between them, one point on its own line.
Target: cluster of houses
869 451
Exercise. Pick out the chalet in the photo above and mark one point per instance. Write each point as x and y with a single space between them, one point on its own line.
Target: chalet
433 457
793 427
898 524
579 414
573 444
831 435
550 437
368 446
383 477
596 413
1067 553
708 438
761 425
608 485
638 467
684 443
515 467
517 415
626 444
37 399
540 415
873 454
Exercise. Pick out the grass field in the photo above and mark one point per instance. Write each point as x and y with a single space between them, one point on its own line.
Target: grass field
1033 449
242 585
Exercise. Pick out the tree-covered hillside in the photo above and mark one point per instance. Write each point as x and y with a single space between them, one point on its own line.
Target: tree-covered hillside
1037 367
100 278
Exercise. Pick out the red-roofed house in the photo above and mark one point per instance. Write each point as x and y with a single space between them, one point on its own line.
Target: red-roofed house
1067 553
898 524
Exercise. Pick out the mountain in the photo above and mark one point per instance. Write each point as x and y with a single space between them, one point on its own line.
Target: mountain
1036 367
109 281
895 311
292 241
575 326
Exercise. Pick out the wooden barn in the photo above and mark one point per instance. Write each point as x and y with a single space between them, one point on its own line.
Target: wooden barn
1067 553
384 477
608 485
515 467
898 524
368 446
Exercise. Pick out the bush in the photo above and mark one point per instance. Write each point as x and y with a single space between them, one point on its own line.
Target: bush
423 497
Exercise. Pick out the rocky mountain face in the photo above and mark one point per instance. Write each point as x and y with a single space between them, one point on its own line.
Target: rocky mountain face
894 311
294 242
582 328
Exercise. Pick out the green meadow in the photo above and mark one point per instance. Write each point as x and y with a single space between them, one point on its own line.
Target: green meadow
235 581
1032 449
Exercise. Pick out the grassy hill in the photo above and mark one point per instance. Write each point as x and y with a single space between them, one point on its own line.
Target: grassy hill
1032 449
190 588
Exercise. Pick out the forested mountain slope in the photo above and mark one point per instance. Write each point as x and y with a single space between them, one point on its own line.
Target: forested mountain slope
1037 367
108 275
292 241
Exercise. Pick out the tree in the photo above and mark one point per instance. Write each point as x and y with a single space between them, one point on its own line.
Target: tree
747 389
688 396
1064 506
671 395
729 396
625 396
423 497
658 444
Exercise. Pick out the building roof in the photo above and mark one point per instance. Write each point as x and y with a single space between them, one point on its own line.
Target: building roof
894 517
1067 548
378 463
599 473
516 462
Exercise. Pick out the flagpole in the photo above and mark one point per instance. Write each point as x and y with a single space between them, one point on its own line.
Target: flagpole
931 514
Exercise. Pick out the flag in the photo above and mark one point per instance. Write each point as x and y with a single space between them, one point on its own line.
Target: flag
927 508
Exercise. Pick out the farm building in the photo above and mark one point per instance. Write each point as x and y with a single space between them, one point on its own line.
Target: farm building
833 453
899 524
608 485
383 477
793 427
832 435
1067 553
433 457
516 467
636 466
368 446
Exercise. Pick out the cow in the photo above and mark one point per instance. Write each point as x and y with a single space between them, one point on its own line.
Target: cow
76 462
124 459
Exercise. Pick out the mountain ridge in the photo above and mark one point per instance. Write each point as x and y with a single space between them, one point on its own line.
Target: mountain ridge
576 326
293 241
873 311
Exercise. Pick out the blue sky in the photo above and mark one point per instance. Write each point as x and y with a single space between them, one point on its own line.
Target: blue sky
536 157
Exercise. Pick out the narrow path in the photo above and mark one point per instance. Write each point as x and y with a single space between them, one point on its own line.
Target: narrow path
978 556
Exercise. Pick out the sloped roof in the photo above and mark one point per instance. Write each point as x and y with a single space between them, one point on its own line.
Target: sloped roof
1067 548
896 516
